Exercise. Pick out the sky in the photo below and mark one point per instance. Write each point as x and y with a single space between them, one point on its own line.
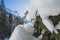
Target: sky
19 5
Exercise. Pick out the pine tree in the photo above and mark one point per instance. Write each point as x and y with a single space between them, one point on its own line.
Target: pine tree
3 24
39 26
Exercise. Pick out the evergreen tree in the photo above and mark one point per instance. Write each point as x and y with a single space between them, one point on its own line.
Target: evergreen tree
39 26
4 30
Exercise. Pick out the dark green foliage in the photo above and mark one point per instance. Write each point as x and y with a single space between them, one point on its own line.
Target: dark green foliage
55 19
39 26
25 15
36 26
4 30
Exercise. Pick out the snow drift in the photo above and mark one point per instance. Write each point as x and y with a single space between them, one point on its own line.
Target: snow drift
24 32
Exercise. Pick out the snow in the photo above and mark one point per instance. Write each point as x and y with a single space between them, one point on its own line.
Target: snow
48 25
25 21
31 12
24 32
6 39
57 27
29 27
45 9
19 34
43 31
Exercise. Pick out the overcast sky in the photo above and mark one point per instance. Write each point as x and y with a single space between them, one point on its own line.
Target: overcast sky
19 5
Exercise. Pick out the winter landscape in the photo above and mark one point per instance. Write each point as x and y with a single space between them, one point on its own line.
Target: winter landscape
41 20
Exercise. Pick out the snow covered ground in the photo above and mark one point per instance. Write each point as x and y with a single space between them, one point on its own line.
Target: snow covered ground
24 32
6 38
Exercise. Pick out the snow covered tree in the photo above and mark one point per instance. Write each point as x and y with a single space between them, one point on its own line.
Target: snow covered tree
55 19
49 12
39 26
